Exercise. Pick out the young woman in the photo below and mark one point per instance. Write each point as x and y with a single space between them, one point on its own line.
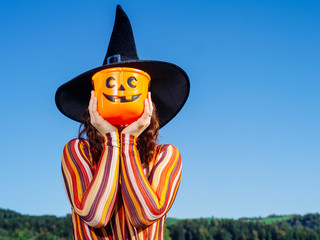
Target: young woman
120 196
119 182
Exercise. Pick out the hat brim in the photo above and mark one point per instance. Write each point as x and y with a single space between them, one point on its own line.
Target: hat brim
169 89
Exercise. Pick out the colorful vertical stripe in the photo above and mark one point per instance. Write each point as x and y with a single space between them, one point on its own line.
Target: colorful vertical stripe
113 202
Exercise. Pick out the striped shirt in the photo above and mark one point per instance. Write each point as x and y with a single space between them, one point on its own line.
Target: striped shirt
119 199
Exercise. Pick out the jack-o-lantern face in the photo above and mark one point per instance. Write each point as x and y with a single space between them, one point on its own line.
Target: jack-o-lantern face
121 93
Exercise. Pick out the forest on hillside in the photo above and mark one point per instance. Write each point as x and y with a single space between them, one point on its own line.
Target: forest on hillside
294 227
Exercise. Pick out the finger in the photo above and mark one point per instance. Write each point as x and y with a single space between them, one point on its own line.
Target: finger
91 105
93 109
94 105
146 108
150 103
145 114
90 101
149 107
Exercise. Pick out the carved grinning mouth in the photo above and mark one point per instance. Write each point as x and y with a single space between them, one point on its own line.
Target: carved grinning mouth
121 99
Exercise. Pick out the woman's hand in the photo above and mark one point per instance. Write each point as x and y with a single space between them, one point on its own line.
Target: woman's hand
97 121
137 127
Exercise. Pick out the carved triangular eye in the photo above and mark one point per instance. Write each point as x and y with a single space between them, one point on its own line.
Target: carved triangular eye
110 82
132 82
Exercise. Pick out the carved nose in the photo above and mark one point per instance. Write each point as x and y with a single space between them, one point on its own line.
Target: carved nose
121 88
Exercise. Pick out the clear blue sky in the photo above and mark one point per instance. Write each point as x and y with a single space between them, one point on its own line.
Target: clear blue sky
249 133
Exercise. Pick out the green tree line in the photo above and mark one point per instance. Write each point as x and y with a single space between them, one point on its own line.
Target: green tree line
17 226
294 227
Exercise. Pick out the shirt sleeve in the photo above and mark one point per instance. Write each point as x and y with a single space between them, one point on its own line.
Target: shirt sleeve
92 195
147 200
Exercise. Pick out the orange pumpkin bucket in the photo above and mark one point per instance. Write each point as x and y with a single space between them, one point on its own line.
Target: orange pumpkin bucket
121 93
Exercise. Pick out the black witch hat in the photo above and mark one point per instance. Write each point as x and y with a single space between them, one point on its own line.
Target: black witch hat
169 85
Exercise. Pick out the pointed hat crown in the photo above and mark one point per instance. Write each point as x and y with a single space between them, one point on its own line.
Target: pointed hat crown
122 42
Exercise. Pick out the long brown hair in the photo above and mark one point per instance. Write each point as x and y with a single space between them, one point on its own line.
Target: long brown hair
146 142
